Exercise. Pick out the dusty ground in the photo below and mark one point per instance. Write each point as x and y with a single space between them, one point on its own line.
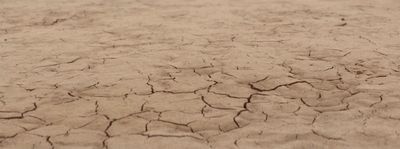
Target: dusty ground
178 74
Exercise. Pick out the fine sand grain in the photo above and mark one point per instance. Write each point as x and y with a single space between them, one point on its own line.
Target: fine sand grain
199 74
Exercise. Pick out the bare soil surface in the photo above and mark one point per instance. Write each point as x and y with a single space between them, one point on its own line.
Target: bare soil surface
199 74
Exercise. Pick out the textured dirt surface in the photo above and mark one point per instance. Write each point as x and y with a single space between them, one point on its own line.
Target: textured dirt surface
178 74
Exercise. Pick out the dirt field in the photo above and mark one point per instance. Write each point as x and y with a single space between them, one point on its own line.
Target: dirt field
199 74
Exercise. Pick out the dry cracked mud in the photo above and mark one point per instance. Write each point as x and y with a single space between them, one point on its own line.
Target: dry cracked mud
199 74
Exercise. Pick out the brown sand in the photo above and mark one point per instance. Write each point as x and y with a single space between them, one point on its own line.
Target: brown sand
199 74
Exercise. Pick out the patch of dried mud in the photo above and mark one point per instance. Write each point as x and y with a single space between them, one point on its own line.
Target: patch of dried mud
199 74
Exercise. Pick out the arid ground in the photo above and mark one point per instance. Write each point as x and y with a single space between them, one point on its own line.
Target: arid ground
199 74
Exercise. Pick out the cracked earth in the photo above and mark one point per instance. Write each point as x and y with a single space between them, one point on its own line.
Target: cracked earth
199 74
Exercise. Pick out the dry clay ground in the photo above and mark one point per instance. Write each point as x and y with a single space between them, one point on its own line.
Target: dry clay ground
199 74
